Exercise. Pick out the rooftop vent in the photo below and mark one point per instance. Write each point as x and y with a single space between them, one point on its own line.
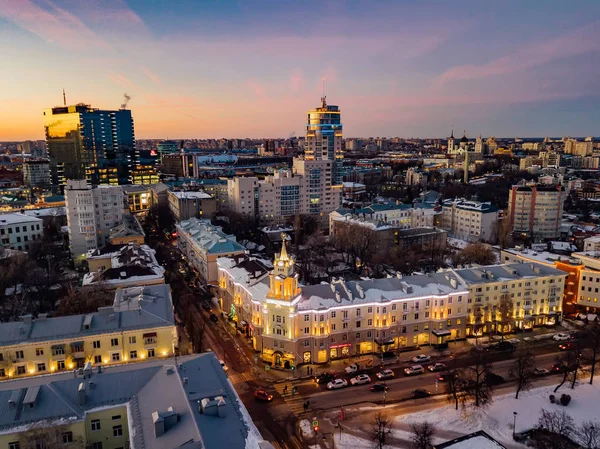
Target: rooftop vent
81 394
31 396
163 421
214 406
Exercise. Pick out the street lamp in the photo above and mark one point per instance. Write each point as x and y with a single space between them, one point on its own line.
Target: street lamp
514 424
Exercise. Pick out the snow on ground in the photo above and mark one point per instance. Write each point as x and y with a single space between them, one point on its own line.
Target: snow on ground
351 441
497 419
306 428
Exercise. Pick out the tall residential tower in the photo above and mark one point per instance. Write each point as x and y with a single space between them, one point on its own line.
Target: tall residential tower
87 143
324 138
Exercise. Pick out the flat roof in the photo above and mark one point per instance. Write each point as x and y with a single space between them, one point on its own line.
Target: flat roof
17 218
189 195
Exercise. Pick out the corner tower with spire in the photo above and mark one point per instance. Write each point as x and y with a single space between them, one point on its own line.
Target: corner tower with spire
283 279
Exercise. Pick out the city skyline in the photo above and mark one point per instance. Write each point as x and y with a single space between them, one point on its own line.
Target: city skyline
247 70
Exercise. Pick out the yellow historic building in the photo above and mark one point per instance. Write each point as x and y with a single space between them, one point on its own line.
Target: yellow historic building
138 326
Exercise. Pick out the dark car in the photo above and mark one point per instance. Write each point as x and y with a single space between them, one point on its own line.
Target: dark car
503 346
420 393
214 318
379 387
493 379
565 346
444 377
324 378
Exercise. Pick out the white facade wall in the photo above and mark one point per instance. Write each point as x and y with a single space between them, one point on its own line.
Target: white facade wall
469 220
19 231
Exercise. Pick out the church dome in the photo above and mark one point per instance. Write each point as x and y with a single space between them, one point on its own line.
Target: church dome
464 138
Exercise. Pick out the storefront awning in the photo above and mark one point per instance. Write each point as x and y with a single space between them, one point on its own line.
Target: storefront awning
383 342
441 333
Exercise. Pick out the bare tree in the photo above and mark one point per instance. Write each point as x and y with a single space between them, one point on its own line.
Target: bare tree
559 423
44 434
479 253
593 339
382 428
455 393
568 364
479 389
522 370
588 434
422 435
505 313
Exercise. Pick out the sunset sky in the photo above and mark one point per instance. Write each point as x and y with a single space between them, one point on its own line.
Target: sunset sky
210 68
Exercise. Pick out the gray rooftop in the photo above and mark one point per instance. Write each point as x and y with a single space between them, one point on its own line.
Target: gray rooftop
133 308
340 293
209 237
508 272
147 387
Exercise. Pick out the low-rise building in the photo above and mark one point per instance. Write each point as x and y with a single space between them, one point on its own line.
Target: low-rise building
191 204
203 243
159 195
139 325
534 292
157 404
470 220
290 324
138 197
36 173
125 266
20 231
130 231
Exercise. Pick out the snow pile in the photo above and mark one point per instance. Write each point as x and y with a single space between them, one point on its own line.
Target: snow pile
306 428
497 419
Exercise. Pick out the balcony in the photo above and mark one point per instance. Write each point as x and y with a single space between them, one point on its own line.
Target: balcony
527 307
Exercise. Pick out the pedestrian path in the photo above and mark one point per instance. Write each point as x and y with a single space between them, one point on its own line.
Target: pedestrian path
295 402
237 378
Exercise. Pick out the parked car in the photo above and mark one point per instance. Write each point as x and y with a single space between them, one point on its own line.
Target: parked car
360 379
337 383
385 374
421 358
540 372
419 393
379 387
414 370
561 336
436 367
558 368
351 369
324 378
262 395
214 318
503 346
493 379
565 346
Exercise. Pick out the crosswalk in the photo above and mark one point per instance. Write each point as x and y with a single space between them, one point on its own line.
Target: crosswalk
238 378
292 443
294 402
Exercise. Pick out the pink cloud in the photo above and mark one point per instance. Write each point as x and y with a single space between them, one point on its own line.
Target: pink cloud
256 87
296 80
154 77
51 23
120 80
585 39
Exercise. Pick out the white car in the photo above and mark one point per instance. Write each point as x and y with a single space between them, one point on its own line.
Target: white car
412 370
351 369
561 336
421 358
385 374
337 383
360 379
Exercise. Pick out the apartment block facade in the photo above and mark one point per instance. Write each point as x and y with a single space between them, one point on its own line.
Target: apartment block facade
36 173
20 231
470 220
535 211
190 204
91 213
534 290
290 325
140 325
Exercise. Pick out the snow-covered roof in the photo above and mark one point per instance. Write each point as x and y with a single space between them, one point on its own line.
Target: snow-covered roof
17 218
477 440
188 195
544 257
209 237
507 272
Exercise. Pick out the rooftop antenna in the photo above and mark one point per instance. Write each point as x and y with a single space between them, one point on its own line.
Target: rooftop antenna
323 98
64 97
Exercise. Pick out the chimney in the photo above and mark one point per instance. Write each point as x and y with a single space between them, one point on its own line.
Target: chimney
27 318
81 394
42 316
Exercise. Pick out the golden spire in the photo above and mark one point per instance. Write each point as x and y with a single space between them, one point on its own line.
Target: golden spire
283 256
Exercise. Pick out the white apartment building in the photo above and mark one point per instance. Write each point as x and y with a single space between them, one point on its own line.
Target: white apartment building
470 220
91 213
307 189
36 172
535 211
20 231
